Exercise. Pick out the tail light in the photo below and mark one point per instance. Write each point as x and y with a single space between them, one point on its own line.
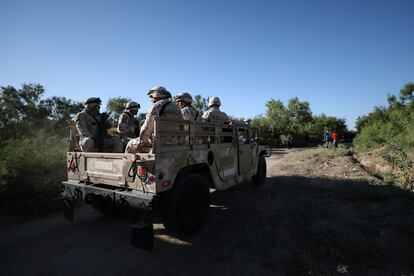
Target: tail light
72 166
142 171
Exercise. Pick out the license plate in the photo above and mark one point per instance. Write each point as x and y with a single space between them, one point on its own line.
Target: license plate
102 165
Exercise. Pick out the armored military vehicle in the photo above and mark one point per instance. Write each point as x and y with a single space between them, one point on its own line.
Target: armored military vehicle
175 175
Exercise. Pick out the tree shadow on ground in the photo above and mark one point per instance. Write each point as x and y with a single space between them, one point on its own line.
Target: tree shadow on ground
320 226
288 226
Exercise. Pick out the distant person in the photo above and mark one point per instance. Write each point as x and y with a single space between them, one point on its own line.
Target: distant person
289 141
335 138
128 124
92 126
213 113
306 139
327 139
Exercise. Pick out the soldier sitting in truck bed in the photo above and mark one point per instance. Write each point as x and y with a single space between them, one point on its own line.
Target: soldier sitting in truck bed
184 101
213 113
92 126
128 125
162 106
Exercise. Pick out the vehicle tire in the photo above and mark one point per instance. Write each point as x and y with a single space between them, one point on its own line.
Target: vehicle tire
260 177
185 208
103 205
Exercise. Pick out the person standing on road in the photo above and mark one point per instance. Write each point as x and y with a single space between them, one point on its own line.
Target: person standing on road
289 141
335 138
327 139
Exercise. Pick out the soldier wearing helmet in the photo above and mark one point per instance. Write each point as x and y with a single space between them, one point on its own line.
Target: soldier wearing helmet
92 126
213 113
161 106
184 101
128 124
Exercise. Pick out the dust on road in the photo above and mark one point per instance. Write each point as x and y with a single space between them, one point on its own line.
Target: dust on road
317 214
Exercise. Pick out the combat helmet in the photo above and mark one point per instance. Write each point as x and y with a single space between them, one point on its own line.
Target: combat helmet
92 100
159 91
186 97
132 104
214 101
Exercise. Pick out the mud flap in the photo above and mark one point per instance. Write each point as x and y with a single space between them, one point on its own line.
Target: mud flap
142 235
68 209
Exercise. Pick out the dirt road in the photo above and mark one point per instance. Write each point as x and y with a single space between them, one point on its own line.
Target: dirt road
317 214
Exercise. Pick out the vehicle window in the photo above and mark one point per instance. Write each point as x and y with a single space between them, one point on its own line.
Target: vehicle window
244 136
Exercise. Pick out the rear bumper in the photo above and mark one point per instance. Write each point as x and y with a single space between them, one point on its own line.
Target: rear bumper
73 190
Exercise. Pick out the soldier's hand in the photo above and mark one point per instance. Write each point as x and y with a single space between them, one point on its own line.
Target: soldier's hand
137 148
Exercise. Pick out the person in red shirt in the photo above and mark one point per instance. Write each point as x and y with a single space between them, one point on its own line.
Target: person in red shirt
335 138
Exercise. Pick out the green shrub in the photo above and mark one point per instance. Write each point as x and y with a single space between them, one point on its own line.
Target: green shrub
396 155
30 172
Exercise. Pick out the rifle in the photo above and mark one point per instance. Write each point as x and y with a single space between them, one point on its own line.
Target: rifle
136 128
102 126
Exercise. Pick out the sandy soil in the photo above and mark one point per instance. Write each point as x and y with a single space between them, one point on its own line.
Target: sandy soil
318 214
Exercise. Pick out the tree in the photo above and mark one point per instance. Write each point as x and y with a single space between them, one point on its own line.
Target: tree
296 119
299 111
61 109
20 111
279 117
386 123
200 103
16 105
116 106
407 93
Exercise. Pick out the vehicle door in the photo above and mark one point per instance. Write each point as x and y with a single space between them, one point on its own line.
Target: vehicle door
244 150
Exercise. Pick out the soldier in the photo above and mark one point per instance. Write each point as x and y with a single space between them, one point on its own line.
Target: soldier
92 126
128 125
213 113
184 101
161 106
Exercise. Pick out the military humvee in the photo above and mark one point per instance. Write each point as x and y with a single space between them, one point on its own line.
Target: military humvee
174 175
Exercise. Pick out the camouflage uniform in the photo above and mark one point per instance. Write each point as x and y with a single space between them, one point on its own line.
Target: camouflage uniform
184 101
213 113
189 113
87 123
168 109
128 127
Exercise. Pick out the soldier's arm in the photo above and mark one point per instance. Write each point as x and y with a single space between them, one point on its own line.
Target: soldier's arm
226 118
186 113
136 127
107 120
81 125
206 115
147 128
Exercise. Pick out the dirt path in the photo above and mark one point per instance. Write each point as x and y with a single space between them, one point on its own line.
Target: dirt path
318 214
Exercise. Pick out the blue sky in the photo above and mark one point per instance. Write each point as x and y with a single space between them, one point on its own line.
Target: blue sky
344 57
